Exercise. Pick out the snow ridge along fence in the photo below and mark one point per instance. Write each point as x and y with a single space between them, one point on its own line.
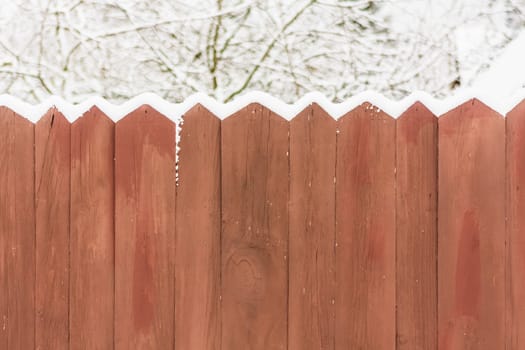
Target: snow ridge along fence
366 232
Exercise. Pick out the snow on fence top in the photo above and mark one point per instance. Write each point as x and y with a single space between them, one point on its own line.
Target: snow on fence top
174 111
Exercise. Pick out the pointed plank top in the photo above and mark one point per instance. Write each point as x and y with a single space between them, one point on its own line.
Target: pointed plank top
417 110
254 111
145 114
10 115
93 114
518 111
199 111
52 117
315 112
366 111
472 108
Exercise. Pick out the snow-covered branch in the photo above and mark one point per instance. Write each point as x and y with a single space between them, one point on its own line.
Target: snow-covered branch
224 48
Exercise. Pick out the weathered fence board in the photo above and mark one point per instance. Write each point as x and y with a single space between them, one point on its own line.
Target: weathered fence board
6 150
515 336
416 229
471 247
52 185
92 227
254 151
365 230
17 232
197 266
312 230
144 231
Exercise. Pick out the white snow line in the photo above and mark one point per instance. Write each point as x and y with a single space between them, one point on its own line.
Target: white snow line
175 111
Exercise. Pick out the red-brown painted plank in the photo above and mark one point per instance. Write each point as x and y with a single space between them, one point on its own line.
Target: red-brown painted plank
254 151
515 338
365 230
197 264
52 184
416 225
92 226
17 232
144 230
5 215
471 228
312 230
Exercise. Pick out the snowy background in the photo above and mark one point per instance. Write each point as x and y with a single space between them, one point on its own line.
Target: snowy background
225 48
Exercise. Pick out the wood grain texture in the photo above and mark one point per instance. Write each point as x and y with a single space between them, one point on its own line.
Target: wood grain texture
144 230
52 185
515 123
5 216
254 244
17 232
312 230
197 267
471 255
416 226
365 230
92 226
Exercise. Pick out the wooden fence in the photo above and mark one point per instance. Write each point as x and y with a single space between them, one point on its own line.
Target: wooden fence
363 233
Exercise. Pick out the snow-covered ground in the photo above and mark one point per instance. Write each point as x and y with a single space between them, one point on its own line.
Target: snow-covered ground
506 74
